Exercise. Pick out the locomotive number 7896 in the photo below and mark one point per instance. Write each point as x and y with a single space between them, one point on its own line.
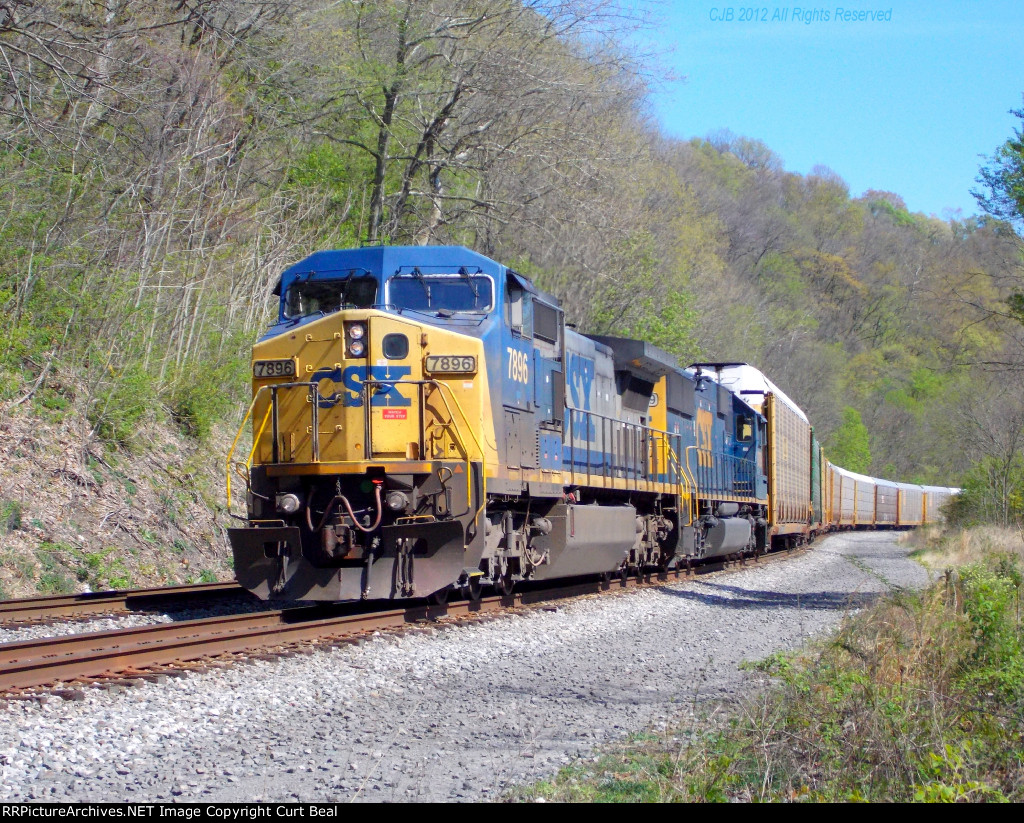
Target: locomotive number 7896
518 365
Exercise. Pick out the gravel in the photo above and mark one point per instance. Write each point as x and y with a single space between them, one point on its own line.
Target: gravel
456 713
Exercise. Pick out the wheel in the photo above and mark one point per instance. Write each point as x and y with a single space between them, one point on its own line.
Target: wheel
502 580
503 584
471 589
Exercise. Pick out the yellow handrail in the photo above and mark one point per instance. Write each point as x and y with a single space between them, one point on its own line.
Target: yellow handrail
238 436
462 445
450 423
684 473
256 439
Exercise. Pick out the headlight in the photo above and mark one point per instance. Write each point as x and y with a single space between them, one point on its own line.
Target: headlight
356 348
357 331
288 503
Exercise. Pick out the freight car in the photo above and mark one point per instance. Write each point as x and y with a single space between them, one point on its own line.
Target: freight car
423 419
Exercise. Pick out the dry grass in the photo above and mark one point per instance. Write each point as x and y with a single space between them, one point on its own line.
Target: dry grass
941 548
919 698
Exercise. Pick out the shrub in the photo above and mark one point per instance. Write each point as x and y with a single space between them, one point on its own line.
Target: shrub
121 407
919 698
55 583
10 515
993 492
205 394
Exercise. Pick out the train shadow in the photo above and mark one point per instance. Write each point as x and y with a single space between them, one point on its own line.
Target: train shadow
734 597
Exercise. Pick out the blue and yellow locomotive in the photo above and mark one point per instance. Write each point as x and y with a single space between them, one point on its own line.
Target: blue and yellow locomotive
423 419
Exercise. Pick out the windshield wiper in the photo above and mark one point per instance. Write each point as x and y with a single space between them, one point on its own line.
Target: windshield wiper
423 282
472 285
347 285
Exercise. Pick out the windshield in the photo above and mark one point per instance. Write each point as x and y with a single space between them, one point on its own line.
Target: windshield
437 292
306 297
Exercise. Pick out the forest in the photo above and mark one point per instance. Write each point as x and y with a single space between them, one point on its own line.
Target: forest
161 161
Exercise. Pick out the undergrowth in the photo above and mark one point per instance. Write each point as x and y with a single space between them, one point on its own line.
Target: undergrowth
919 698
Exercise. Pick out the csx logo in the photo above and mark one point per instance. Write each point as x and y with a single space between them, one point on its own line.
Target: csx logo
581 379
352 378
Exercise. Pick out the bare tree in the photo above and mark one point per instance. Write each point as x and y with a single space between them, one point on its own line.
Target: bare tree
441 95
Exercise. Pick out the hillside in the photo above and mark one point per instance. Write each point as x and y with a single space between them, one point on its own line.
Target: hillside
74 519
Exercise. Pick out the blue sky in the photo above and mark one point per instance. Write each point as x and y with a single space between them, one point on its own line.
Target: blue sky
906 105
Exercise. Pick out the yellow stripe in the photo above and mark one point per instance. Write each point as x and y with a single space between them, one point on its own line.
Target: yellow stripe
396 467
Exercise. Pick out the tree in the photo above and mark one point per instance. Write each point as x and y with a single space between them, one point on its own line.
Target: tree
990 423
1003 178
444 99
1003 199
850 446
134 166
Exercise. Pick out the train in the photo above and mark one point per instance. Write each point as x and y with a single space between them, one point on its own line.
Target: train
424 421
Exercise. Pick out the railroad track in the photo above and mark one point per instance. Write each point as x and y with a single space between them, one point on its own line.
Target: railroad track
64 606
129 653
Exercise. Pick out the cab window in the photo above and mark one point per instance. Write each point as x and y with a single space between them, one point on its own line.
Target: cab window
457 292
306 297
519 310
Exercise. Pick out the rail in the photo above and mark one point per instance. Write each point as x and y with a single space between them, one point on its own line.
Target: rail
604 448
134 653
65 606
722 475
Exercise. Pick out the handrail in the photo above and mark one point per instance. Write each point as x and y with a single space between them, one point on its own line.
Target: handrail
234 443
451 424
634 459
256 439
682 471
483 455
272 388
715 475
677 471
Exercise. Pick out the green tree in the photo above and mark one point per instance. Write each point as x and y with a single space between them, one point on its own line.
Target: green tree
850 446
992 492
989 424
442 99
1003 179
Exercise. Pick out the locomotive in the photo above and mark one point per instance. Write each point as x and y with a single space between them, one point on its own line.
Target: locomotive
424 420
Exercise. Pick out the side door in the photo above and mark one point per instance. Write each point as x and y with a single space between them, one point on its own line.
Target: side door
518 381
